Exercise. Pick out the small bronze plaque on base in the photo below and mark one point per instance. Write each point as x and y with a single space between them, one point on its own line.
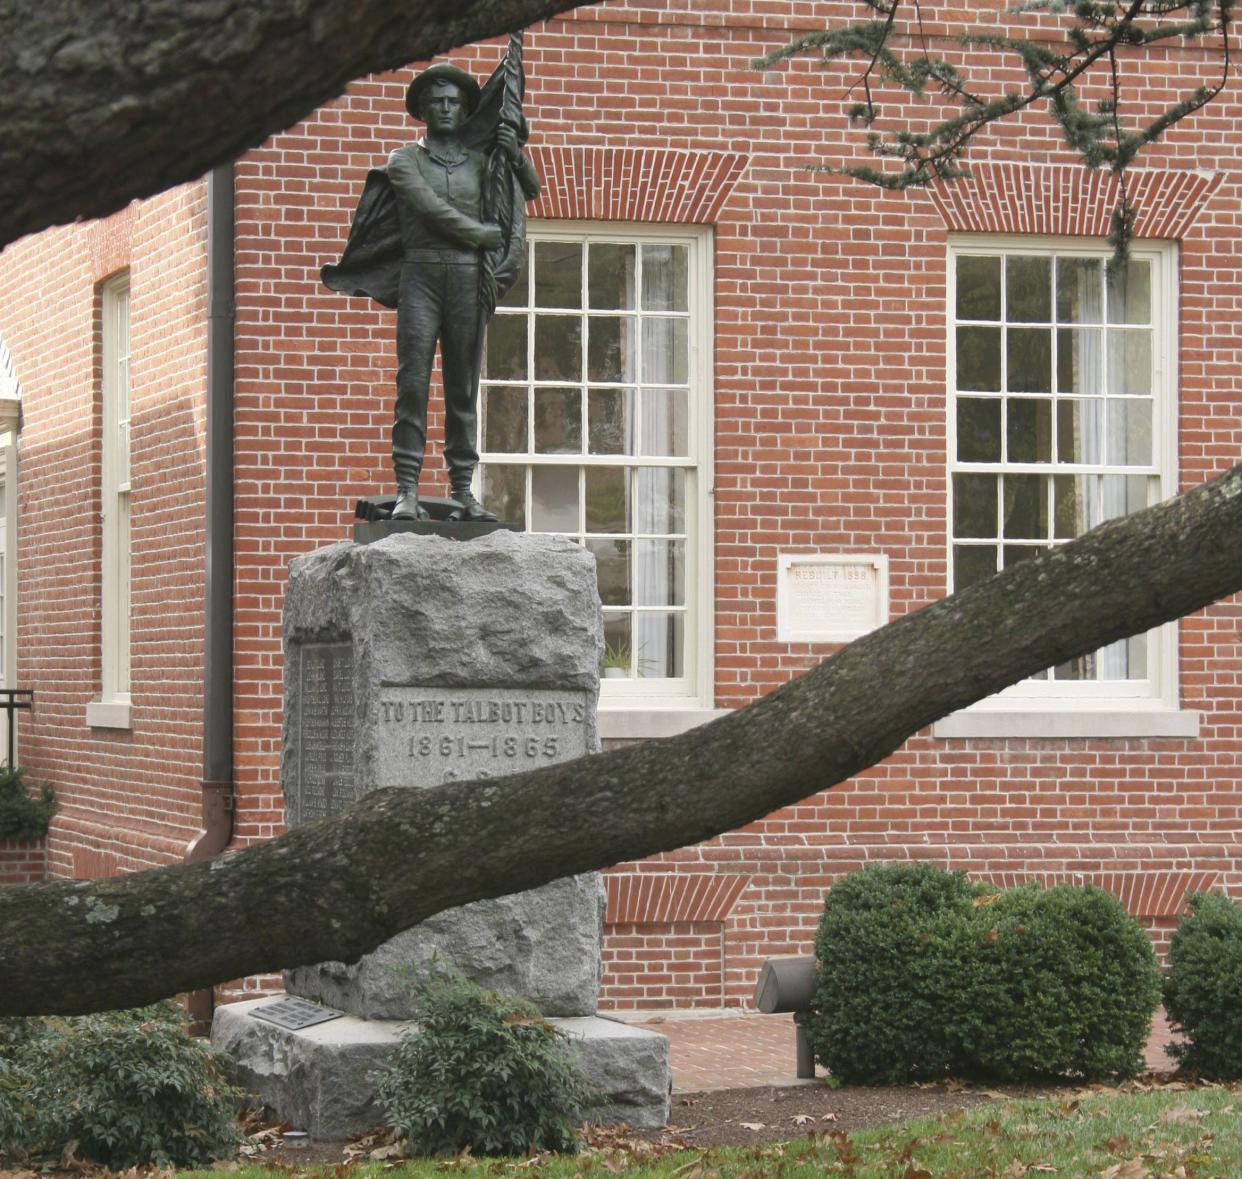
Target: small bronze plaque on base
294 1014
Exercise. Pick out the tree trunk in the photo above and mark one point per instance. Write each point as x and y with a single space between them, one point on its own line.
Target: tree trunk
109 100
337 888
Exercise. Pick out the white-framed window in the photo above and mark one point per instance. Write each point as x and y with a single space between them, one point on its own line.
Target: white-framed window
1062 414
115 495
595 424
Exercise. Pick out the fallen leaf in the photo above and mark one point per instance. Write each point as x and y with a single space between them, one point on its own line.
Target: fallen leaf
913 1172
801 1119
752 1125
828 1117
1131 1169
1015 1170
1180 1115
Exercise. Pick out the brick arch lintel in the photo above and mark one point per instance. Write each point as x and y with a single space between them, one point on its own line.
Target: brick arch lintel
665 898
1141 894
655 185
1071 201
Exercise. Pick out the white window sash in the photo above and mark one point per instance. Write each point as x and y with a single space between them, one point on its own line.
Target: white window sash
695 687
1158 688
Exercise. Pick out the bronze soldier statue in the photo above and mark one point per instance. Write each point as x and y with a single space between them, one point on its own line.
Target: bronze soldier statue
439 234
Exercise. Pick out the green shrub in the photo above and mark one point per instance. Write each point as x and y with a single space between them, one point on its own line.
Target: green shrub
1203 988
21 816
1058 983
886 949
481 1071
922 975
129 1087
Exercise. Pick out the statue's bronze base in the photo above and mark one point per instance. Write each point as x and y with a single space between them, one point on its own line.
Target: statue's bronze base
375 522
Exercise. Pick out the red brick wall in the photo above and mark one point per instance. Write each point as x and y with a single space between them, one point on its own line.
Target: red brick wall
829 346
22 863
126 798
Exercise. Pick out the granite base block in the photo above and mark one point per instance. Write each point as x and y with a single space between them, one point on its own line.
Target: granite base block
542 944
319 1078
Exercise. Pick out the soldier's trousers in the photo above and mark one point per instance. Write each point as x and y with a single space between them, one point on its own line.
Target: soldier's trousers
438 301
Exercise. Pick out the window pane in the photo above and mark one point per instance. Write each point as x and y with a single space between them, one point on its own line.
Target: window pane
554 499
974 506
978 288
1070 506
504 419
1121 495
1028 289
610 276
607 504
1013 553
1080 367
1028 429
1129 362
659 644
1129 293
972 563
558 348
666 351
610 351
978 430
659 573
1029 355
612 568
504 491
665 278
1026 507
979 358
618 659
665 425
558 421
660 500
1080 431
610 421
506 348
1080 290
558 274
516 296
1129 433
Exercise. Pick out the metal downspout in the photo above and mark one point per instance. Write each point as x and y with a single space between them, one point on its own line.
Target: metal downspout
217 784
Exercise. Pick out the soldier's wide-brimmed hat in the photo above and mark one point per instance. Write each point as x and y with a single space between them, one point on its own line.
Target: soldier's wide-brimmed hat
442 72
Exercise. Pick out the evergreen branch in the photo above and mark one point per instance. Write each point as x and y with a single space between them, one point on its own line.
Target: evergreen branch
1101 29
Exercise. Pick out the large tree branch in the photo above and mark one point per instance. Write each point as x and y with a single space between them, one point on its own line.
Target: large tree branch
337 888
110 100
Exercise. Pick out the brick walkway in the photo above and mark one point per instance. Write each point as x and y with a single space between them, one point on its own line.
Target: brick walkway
736 1050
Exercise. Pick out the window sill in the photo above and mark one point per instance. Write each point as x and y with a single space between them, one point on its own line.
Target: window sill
1084 722
628 724
108 714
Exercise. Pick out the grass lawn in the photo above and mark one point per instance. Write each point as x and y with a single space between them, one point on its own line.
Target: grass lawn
1167 1132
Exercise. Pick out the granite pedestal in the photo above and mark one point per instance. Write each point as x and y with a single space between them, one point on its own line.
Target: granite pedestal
413 661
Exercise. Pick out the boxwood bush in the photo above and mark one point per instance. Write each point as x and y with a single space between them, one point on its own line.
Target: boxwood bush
1057 983
1203 988
481 1071
923 974
887 949
126 1088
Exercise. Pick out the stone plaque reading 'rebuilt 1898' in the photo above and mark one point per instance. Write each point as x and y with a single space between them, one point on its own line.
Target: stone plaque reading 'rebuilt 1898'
323 731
